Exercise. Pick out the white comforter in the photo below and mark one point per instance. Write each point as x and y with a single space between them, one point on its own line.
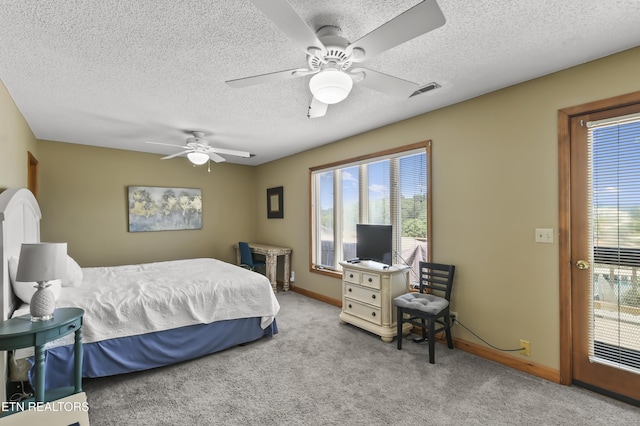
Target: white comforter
136 299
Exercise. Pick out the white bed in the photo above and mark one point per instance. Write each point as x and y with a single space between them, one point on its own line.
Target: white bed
181 309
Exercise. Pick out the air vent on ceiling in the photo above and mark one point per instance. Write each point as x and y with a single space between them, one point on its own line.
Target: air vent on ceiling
426 88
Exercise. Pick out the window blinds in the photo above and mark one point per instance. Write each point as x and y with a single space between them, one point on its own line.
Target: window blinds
614 170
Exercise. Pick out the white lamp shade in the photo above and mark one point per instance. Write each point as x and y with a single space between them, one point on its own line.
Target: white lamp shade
42 262
198 158
330 86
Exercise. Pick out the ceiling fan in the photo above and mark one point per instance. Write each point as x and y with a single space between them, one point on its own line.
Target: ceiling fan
199 151
330 56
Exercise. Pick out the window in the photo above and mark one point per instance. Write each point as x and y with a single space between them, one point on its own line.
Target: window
389 188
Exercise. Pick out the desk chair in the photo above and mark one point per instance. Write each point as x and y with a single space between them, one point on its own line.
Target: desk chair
246 257
429 306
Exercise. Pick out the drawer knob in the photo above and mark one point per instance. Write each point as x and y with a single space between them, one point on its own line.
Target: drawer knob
373 314
373 296
349 289
350 275
370 280
72 326
349 305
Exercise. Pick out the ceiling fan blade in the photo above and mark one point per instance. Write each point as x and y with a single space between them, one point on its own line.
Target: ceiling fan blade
168 144
177 154
317 109
385 83
230 152
420 19
267 78
215 157
283 15
302 72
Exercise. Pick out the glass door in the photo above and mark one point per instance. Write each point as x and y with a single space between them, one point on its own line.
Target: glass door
605 210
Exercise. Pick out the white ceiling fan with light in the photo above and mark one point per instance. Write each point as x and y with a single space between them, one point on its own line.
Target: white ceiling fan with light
330 56
199 150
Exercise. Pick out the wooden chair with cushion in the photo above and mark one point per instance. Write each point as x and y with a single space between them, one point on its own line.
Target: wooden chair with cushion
428 307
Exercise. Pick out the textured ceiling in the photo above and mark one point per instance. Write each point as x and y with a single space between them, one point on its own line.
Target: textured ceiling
118 73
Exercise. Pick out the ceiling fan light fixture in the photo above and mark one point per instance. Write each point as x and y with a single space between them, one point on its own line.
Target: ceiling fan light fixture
330 86
198 158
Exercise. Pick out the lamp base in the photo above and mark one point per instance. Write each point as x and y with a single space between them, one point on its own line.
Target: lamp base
43 303
44 318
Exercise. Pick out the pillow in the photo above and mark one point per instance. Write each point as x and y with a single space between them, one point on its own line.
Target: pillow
74 274
24 290
13 268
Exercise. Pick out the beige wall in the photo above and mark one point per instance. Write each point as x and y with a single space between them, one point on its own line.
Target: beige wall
16 139
83 197
495 179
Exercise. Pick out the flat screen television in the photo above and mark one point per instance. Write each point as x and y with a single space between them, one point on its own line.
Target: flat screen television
374 242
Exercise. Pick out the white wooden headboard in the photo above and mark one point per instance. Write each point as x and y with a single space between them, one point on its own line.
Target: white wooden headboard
19 223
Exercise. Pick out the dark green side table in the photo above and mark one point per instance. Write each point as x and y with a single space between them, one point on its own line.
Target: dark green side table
21 332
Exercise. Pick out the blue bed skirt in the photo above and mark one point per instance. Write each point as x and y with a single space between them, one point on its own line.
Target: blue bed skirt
137 353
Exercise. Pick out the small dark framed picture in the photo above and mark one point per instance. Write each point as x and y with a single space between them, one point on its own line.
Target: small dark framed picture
275 203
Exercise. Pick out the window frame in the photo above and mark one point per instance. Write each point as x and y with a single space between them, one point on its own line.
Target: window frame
368 158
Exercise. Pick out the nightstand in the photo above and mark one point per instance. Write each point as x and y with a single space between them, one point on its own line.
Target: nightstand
20 332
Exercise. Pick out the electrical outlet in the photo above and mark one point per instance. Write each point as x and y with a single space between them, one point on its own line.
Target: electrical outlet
525 347
453 316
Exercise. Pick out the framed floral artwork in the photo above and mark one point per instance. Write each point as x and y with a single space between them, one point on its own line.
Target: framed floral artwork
164 209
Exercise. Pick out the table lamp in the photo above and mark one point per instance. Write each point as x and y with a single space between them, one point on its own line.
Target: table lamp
42 262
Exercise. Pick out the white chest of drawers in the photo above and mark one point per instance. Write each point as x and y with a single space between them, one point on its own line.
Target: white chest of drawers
368 290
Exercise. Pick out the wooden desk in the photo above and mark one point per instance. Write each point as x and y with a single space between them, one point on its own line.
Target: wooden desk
271 254
21 332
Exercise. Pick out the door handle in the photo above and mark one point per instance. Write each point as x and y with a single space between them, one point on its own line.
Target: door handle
582 264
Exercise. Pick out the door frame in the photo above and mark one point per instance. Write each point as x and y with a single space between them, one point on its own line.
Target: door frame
32 174
564 218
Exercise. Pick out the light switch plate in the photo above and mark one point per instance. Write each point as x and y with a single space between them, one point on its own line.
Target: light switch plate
544 235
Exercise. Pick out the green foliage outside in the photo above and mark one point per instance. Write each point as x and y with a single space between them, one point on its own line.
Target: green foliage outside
415 228
414 215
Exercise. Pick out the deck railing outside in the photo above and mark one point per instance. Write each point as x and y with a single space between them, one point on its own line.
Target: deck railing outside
616 305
